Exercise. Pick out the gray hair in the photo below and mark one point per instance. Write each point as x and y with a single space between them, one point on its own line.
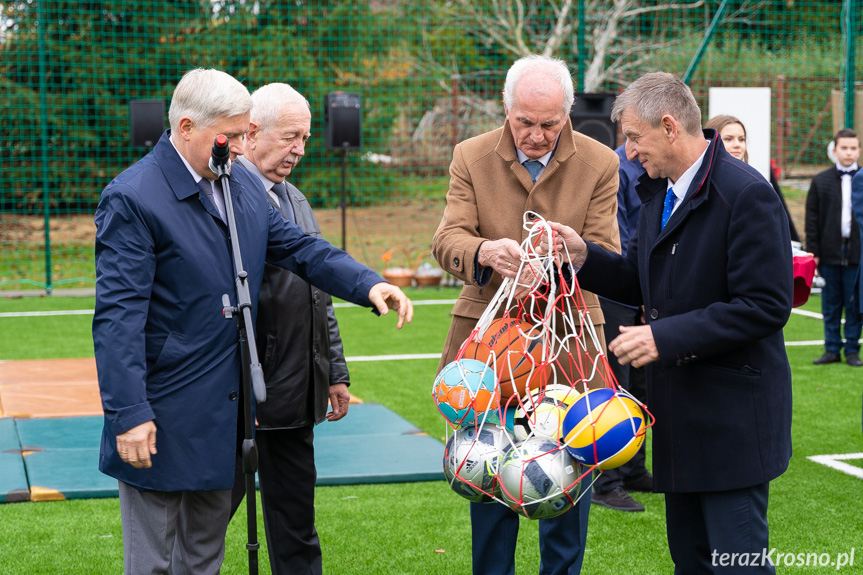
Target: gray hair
268 103
657 94
206 95
552 67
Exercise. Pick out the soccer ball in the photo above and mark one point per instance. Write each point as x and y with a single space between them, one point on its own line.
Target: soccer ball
470 460
541 413
464 390
538 479
604 428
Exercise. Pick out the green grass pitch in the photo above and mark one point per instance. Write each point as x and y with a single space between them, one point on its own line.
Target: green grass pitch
423 527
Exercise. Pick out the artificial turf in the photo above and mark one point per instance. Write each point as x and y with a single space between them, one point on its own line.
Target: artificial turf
424 528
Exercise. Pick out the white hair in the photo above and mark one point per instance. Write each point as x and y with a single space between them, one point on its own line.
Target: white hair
269 101
206 95
552 67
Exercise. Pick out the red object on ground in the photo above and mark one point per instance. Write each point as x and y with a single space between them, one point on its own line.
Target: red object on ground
804 271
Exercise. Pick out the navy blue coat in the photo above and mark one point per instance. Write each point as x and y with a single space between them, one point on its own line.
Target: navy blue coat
717 287
164 351
857 208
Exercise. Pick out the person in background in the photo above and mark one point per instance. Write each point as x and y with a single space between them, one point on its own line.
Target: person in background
611 488
168 362
298 342
833 237
733 134
534 163
711 263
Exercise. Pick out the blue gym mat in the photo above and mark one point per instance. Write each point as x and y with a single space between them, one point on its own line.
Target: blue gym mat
371 445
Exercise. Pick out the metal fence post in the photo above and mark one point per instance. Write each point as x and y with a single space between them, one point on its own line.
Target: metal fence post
851 33
43 124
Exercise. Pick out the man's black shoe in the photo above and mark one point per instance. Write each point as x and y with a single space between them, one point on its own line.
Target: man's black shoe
643 484
828 357
853 359
617 499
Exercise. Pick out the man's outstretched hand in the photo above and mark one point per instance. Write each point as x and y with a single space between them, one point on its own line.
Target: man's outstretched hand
385 296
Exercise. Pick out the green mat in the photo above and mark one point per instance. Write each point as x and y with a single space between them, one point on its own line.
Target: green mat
371 445
13 479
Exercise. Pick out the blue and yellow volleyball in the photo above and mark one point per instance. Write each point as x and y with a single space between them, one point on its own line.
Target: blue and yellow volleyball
464 390
603 428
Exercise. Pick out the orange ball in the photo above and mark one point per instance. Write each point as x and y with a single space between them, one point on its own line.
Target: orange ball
518 358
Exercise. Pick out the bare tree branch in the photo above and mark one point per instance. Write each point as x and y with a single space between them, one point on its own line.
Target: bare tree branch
560 27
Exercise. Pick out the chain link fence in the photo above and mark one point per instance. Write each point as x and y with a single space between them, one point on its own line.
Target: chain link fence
429 75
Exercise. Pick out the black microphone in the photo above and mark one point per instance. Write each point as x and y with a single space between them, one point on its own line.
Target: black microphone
221 157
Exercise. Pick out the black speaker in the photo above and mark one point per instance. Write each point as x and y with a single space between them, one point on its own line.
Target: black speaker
591 116
342 121
146 122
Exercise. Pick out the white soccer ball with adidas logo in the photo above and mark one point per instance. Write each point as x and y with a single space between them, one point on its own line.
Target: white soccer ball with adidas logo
471 458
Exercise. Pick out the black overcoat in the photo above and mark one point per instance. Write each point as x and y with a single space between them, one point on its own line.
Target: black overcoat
717 288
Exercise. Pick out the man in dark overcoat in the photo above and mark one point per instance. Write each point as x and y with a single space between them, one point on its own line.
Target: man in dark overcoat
711 262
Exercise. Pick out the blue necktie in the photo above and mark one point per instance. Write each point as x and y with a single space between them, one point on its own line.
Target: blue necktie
533 168
670 200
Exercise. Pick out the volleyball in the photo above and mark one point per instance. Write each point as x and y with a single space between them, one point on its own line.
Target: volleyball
604 428
465 390
470 460
538 479
517 349
541 413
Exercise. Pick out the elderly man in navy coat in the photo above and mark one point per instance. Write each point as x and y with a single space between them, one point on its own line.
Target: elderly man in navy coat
168 361
711 262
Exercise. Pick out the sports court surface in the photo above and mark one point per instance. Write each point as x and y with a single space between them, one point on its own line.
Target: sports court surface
51 424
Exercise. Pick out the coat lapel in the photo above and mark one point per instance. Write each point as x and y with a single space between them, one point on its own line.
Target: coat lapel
652 193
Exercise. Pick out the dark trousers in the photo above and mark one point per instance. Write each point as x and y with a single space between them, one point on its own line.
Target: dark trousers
494 532
287 475
632 380
837 294
705 530
173 532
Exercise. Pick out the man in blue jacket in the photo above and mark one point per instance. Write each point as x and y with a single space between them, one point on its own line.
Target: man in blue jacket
711 262
168 361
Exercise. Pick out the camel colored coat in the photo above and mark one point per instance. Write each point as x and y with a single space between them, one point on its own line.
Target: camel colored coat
488 195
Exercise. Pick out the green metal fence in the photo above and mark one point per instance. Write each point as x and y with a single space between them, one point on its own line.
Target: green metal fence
429 74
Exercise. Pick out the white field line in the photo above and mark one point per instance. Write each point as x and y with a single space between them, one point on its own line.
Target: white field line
47 313
393 357
383 357
340 304
836 462
90 311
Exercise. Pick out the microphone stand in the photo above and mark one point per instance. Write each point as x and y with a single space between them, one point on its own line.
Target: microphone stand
253 375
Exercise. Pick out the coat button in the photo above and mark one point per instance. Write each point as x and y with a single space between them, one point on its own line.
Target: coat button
233 396
654 313
456 262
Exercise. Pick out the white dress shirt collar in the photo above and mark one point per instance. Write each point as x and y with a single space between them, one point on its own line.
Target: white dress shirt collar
681 186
